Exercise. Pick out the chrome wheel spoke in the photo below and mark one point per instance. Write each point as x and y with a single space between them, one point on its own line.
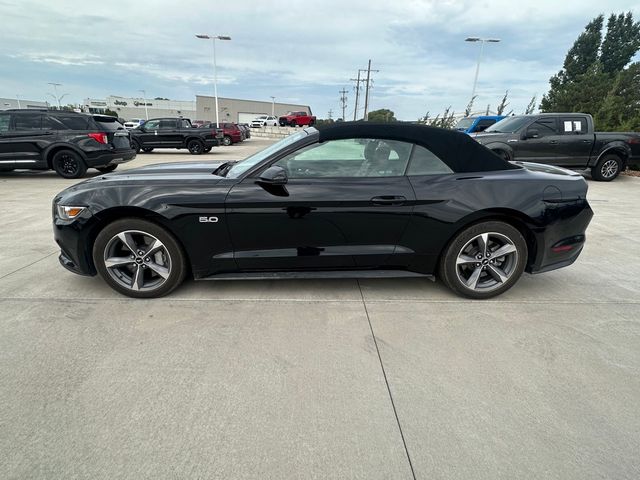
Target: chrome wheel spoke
472 282
504 250
483 241
154 247
464 259
497 273
159 269
127 240
117 261
138 279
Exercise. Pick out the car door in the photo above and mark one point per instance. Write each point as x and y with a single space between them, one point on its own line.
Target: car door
25 140
147 134
539 142
341 208
575 143
7 156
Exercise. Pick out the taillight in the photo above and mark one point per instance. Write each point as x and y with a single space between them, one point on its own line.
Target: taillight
99 137
634 140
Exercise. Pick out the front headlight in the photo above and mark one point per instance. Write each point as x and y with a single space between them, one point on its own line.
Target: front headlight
68 212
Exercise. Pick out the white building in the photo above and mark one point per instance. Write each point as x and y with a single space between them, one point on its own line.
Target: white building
12 103
134 107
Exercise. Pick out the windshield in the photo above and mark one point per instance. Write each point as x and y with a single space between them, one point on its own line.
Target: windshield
464 123
249 162
509 124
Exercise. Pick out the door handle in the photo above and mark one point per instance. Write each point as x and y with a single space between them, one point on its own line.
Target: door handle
553 142
586 141
388 200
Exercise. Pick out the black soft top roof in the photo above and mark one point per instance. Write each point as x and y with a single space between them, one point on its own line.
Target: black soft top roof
458 150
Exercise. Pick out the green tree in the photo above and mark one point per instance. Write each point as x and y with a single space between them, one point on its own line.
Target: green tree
621 107
621 42
382 115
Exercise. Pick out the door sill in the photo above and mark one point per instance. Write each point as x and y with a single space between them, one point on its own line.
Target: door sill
319 274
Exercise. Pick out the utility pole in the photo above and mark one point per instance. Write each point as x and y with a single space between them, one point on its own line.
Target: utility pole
330 114
343 102
357 80
366 96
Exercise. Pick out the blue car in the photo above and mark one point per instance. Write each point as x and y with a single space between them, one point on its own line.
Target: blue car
477 124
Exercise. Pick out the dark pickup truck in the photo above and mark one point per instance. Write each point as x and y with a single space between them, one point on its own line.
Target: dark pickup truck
563 139
174 133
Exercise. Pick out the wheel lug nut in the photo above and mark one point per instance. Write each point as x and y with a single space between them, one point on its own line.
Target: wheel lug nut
479 256
488 255
131 257
140 252
478 264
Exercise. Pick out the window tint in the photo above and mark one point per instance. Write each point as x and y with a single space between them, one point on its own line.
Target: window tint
185 123
424 162
545 127
108 124
152 124
167 124
573 125
74 122
4 122
29 121
353 157
52 123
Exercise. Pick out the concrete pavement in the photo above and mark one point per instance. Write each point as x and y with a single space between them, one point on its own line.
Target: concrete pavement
284 379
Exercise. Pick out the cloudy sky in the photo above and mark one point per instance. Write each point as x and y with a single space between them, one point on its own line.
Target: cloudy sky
300 52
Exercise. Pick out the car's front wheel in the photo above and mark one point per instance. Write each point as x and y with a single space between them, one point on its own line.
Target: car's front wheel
607 168
136 146
226 140
484 260
68 164
147 149
139 258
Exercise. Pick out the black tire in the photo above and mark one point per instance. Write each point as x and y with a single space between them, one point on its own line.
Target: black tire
481 274
607 168
107 169
117 277
283 124
136 146
147 149
196 147
207 149
227 140
68 164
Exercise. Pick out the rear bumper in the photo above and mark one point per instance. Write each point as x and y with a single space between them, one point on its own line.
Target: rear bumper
102 159
562 241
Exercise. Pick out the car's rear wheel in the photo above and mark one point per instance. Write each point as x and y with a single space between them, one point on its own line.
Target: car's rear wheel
139 258
68 164
293 123
226 140
135 145
107 169
207 149
147 149
607 168
196 147
484 260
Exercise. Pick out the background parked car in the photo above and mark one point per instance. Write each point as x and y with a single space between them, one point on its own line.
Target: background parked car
295 119
264 121
66 142
231 132
477 124
133 123
174 133
246 130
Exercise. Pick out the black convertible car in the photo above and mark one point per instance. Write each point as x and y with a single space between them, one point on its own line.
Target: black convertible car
354 200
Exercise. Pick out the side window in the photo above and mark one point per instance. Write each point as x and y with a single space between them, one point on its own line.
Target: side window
484 124
545 127
4 122
185 124
353 157
52 123
28 122
167 124
152 125
425 162
573 126
74 122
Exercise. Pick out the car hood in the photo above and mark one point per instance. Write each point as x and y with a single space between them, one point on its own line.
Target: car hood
176 168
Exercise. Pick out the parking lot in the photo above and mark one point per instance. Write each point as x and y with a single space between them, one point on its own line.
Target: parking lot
368 379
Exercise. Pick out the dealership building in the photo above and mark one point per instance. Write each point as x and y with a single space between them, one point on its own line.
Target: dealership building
231 109
12 103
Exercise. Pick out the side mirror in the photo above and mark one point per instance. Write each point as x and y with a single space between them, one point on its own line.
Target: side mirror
532 133
274 175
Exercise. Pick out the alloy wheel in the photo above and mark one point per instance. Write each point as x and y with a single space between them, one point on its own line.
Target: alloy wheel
609 168
137 260
69 165
487 261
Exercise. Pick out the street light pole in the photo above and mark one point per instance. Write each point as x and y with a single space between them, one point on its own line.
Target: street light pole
18 98
273 106
144 99
482 42
213 38
55 89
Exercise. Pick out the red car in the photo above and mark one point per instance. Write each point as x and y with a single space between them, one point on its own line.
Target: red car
297 118
232 132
